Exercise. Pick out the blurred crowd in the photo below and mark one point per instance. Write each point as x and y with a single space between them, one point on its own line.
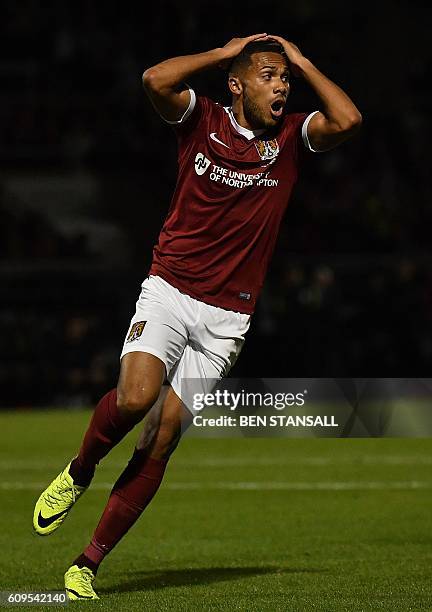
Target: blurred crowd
28 235
349 292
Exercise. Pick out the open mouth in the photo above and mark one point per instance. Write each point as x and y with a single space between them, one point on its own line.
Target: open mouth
277 108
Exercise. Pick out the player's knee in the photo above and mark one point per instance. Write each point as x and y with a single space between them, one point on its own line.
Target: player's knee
136 402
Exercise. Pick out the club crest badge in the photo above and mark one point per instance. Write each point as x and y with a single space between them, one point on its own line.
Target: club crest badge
135 331
267 149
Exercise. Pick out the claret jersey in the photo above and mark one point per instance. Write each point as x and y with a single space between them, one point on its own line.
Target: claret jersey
232 190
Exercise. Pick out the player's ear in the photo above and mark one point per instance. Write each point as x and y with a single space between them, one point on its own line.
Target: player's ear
235 85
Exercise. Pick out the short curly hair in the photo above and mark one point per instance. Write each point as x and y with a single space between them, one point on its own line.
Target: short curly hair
243 60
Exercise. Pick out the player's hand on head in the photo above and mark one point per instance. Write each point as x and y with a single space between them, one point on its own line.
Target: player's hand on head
293 53
236 45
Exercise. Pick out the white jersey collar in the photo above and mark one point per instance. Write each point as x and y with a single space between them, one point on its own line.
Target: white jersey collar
249 134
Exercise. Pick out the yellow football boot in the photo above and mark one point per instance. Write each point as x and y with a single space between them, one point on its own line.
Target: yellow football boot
53 505
79 583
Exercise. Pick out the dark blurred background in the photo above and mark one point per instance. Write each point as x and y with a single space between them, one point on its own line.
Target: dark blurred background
88 168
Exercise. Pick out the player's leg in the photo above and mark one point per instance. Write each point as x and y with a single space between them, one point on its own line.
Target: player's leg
140 381
150 350
217 341
132 492
153 344
139 482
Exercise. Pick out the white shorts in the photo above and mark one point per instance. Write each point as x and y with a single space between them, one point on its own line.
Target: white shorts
194 340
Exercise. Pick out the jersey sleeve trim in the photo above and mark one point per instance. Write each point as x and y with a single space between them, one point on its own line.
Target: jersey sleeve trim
305 136
187 112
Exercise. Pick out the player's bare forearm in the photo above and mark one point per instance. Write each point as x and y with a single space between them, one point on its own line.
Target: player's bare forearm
339 117
172 72
164 82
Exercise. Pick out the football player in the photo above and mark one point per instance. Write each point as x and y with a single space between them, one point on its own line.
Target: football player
237 167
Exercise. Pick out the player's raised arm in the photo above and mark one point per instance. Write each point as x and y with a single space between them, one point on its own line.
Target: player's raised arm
339 118
164 82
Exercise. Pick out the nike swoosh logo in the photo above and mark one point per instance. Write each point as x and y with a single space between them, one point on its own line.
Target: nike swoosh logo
216 139
79 594
46 522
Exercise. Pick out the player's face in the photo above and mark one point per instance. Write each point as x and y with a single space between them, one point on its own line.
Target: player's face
265 89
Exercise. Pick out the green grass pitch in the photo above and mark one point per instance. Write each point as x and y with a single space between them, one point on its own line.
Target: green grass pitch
238 524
